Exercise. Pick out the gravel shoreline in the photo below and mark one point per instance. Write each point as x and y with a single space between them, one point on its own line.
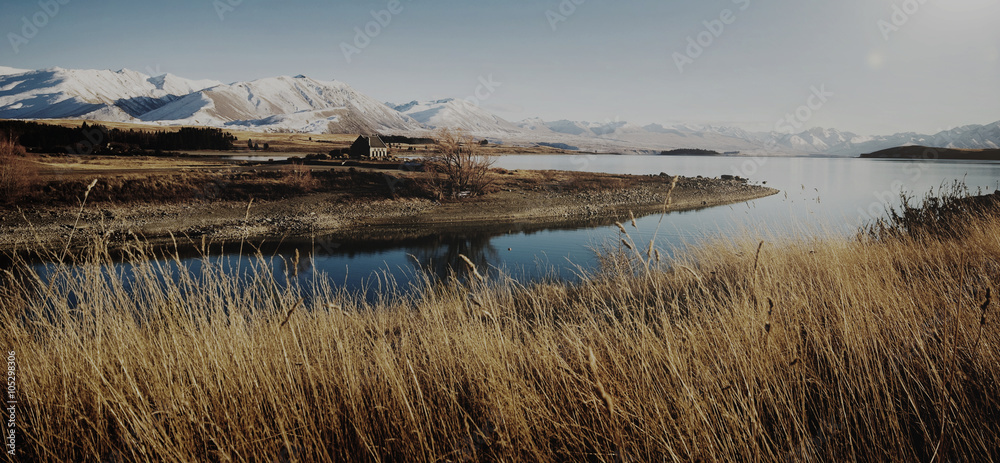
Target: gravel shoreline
340 214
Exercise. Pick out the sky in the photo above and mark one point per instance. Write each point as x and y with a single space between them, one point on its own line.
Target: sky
866 66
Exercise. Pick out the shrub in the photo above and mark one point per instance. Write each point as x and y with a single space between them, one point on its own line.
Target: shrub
945 213
301 177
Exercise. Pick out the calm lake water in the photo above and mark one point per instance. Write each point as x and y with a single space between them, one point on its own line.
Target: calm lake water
829 195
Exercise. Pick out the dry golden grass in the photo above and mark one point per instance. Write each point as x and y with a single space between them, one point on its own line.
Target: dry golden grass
88 166
300 176
802 350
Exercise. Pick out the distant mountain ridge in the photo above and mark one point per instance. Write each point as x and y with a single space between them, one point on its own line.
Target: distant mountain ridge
303 104
811 141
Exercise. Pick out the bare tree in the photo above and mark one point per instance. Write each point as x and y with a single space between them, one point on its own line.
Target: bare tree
461 163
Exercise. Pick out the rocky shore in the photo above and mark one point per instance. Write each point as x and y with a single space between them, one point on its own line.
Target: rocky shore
342 214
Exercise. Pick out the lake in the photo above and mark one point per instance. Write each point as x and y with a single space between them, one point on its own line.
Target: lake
818 194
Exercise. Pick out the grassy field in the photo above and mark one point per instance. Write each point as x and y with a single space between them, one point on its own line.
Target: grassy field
881 348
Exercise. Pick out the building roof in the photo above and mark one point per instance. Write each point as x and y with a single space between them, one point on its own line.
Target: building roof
373 141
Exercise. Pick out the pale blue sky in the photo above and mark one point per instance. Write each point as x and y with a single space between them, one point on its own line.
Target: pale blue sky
609 59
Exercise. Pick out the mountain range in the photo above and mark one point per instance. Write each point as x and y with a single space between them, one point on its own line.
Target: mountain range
303 104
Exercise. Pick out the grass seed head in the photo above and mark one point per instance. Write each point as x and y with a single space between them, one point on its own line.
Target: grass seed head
471 267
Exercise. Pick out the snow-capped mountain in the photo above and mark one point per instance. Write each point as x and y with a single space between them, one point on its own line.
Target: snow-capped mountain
966 137
88 94
832 141
816 140
302 104
721 138
458 114
284 103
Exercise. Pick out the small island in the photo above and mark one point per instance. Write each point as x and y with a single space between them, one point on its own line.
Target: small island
690 152
932 153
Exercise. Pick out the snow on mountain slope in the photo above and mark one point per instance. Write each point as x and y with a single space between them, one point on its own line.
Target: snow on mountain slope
4 71
813 141
180 86
458 114
977 136
330 120
657 128
721 138
585 129
569 128
967 137
284 103
831 141
535 124
70 93
317 122
835 142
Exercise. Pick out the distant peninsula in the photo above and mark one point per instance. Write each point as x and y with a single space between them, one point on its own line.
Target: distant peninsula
924 152
695 152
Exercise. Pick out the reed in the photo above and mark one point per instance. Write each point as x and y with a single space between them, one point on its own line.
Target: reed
805 349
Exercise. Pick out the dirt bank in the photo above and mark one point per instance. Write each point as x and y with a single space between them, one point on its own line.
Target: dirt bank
539 198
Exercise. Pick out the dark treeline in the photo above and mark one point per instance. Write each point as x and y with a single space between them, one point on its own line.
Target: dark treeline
98 139
399 139
42 137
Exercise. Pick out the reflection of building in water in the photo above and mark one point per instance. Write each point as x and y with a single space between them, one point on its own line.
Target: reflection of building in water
440 255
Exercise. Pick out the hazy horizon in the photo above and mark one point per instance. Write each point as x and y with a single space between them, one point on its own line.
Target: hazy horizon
885 67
